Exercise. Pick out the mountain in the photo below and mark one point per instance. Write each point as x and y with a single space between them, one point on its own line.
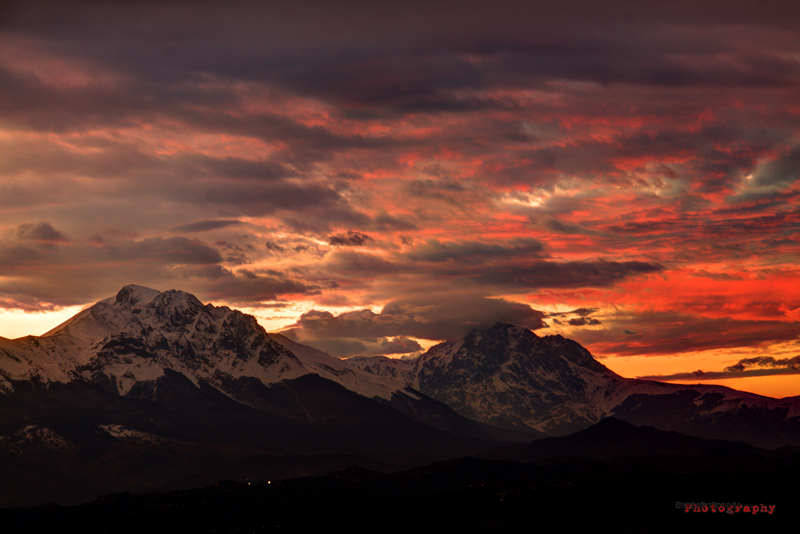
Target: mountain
137 343
509 377
613 438
156 390
153 389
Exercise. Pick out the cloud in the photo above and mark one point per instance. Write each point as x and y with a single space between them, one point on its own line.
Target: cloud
399 345
274 247
468 252
766 361
551 274
353 154
43 232
435 317
349 263
582 312
565 227
673 333
248 288
350 239
770 177
757 366
205 226
779 172
171 250
583 321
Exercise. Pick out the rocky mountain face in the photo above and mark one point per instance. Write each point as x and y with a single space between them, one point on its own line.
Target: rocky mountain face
509 377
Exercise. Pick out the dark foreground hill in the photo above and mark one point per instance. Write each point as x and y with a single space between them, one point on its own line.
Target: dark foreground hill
466 495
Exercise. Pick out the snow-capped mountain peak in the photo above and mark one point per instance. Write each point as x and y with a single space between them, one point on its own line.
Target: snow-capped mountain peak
129 340
133 295
509 377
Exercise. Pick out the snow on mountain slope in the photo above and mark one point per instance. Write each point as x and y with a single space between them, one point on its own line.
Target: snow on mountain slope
353 378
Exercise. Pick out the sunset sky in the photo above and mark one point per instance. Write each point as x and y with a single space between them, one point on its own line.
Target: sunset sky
374 177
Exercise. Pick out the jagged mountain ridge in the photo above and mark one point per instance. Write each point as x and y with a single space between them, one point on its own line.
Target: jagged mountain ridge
131 338
125 343
504 376
149 345
509 377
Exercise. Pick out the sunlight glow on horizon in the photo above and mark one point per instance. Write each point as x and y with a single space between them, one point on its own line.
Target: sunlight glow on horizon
17 323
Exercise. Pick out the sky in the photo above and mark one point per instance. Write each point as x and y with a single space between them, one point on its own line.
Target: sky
376 177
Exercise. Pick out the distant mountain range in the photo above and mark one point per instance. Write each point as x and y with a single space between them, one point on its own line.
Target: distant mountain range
149 390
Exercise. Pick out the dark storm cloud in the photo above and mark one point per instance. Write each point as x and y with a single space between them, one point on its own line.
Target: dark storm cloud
716 276
171 250
34 105
581 312
649 227
205 226
17 258
566 227
712 167
108 234
385 222
399 345
350 263
422 73
350 239
230 167
36 276
757 366
476 251
583 321
596 273
677 333
769 178
274 247
446 190
42 231
407 66
40 277
513 266
257 187
248 288
766 361
256 198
